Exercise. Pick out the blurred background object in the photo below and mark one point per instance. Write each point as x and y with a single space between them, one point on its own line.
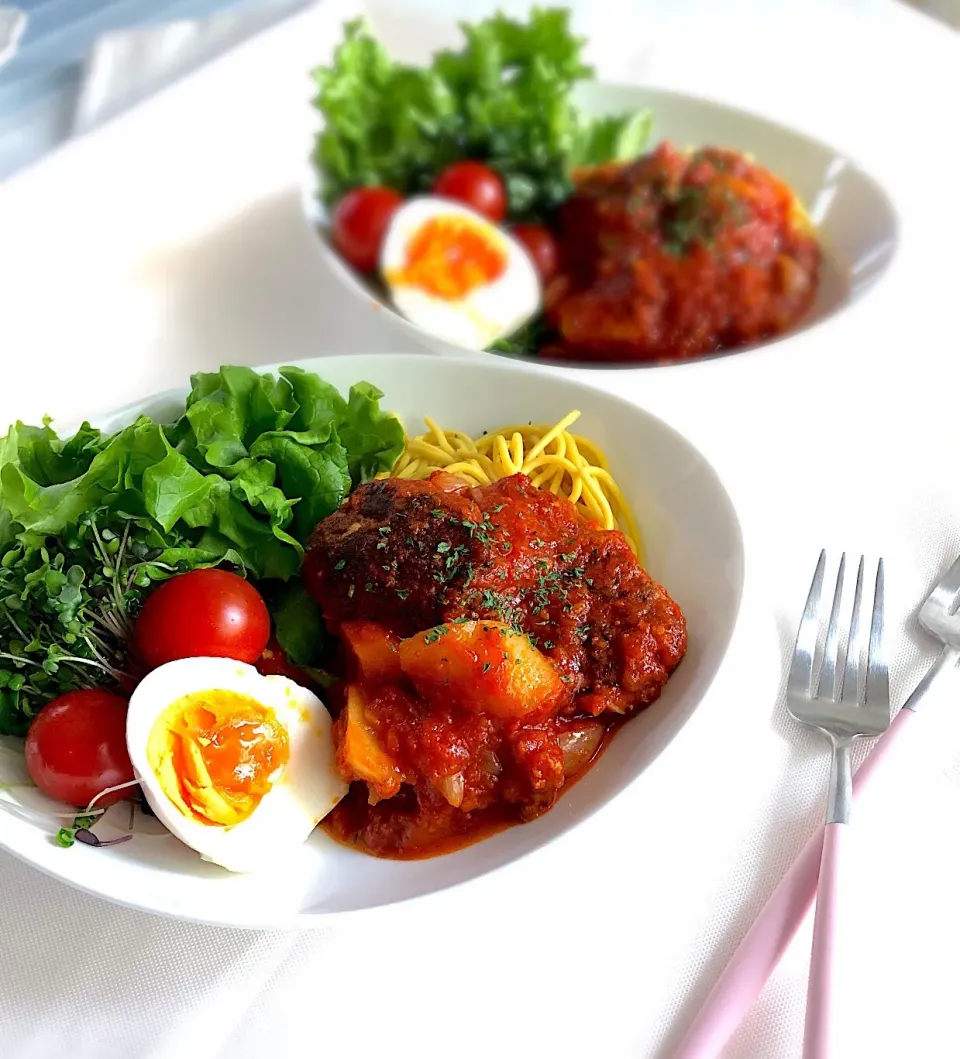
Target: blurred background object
946 10
41 84
79 62
12 24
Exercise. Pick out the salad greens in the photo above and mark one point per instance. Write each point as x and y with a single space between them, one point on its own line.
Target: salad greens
526 342
89 523
503 99
300 631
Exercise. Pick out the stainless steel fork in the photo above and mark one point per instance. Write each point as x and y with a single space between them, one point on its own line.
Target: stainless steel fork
844 708
939 616
774 928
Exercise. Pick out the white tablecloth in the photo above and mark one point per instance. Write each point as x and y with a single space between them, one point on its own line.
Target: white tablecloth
171 241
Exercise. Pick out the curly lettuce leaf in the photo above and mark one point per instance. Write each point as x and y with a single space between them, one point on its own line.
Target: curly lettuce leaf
50 502
504 98
373 439
385 123
89 523
317 475
613 139
226 411
254 462
50 460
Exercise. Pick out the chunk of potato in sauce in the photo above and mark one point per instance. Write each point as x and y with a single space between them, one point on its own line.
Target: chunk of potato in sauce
528 636
359 753
481 666
371 652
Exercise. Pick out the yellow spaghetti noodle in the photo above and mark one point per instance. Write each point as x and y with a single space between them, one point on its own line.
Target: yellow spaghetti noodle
550 456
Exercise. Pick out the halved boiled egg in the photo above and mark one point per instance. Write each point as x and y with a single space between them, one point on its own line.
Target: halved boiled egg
238 765
453 273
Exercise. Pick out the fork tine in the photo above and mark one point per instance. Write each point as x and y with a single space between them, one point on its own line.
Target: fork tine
827 687
800 681
850 690
878 685
945 593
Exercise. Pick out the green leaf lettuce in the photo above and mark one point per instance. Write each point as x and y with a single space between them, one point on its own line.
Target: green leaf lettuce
89 522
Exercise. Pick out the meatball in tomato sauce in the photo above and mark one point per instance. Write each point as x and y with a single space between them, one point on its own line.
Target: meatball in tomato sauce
677 255
493 639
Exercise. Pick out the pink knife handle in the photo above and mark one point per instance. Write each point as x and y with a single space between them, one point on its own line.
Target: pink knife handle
767 939
816 1033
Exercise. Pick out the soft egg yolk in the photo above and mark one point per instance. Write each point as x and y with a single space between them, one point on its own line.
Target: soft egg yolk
216 754
449 256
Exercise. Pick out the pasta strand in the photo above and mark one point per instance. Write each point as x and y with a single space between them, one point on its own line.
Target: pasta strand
566 464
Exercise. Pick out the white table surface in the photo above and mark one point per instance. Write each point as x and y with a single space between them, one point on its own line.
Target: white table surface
170 241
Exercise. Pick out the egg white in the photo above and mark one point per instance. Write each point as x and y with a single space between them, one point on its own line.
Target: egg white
306 789
484 314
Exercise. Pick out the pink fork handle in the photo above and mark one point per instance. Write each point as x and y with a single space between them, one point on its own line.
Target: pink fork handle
816 1034
767 939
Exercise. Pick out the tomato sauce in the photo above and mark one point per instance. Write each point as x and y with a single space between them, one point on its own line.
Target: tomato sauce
677 255
431 770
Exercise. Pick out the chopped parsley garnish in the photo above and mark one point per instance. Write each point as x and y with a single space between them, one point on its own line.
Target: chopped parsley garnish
479 530
340 565
568 557
443 546
505 611
434 634
686 221
402 593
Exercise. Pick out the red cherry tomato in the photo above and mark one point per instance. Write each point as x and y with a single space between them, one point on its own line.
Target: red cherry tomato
77 746
360 223
204 612
476 186
540 244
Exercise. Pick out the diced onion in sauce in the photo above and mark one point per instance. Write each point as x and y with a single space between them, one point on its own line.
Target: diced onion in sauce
451 787
489 762
579 744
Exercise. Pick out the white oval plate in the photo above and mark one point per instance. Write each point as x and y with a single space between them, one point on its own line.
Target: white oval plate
855 219
694 548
